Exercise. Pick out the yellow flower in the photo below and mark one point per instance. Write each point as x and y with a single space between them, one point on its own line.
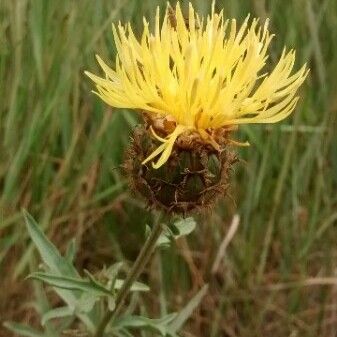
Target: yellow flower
202 75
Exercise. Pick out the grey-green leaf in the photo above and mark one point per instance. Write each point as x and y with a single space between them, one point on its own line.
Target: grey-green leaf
111 303
56 313
86 285
161 325
180 228
184 226
71 251
137 286
112 272
57 265
49 254
165 238
70 283
86 302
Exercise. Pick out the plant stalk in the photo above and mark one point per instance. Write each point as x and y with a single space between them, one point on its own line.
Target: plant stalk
136 270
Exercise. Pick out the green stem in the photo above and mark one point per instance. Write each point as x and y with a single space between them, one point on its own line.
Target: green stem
134 273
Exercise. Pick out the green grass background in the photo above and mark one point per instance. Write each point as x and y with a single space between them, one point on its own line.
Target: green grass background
60 148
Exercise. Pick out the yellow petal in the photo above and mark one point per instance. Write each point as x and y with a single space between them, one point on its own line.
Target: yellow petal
204 73
166 148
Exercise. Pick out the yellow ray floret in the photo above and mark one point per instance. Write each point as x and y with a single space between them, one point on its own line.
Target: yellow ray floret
205 74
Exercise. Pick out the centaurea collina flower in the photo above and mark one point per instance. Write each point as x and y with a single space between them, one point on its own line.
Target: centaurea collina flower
196 79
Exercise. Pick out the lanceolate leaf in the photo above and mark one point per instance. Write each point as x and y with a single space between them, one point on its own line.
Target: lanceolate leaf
71 283
86 285
137 286
71 251
52 258
160 325
56 313
58 265
86 302
49 254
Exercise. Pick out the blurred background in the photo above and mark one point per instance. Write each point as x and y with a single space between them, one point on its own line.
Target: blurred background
61 148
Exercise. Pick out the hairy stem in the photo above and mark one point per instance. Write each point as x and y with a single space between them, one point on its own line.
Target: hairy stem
134 273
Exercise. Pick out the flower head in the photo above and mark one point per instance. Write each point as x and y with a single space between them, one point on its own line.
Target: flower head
197 77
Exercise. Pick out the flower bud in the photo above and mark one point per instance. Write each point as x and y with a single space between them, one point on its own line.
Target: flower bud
193 178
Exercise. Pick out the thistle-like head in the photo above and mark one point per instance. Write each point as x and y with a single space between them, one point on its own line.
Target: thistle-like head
194 80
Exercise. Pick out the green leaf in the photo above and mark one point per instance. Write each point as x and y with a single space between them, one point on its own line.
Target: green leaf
137 286
51 257
56 313
111 274
180 228
57 264
187 311
165 238
184 227
86 285
42 305
160 325
111 303
49 254
117 283
23 330
71 251
147 230
123 333
70 283
86 302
